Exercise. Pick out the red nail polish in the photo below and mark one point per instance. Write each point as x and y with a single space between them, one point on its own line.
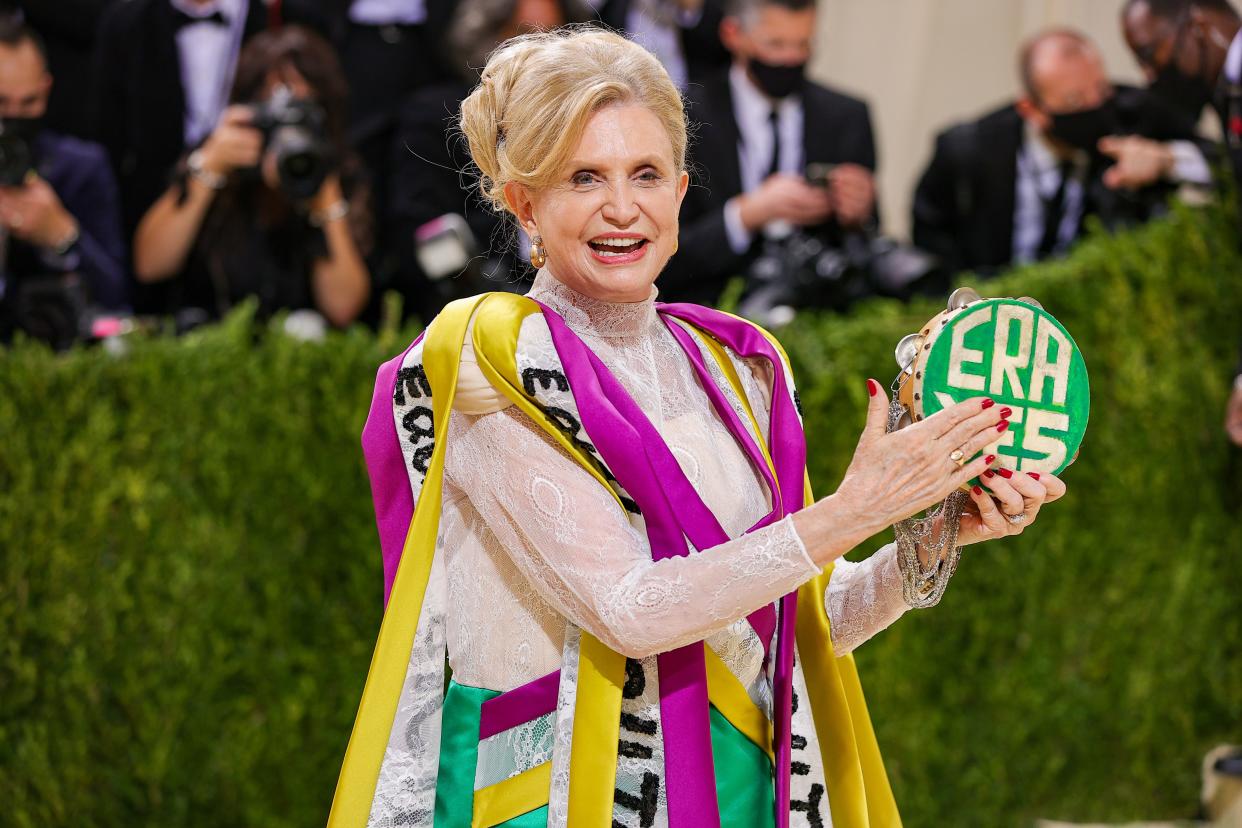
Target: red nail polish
1034 475
990 459
977 491
1006 412
1002 425
988 404
873 387
989 473
1005 473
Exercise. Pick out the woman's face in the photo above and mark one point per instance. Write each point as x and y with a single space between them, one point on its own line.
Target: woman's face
609 222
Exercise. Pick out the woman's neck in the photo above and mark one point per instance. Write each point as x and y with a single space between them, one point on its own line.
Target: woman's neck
587 315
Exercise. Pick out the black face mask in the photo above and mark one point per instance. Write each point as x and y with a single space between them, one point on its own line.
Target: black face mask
27 129
777 80
1084 129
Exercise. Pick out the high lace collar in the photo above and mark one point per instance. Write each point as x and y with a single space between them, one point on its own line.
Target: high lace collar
595 317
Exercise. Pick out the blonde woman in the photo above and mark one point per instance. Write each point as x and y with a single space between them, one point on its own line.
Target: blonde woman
593 505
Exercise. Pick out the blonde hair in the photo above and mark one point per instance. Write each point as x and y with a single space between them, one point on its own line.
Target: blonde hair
525 118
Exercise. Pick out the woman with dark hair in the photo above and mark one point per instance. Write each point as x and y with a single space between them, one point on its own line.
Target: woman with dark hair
272 204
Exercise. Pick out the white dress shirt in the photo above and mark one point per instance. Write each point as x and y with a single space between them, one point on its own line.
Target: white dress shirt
208 56
387 12
1039 178
752 109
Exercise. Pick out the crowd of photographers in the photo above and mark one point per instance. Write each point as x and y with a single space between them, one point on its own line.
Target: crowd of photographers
166 159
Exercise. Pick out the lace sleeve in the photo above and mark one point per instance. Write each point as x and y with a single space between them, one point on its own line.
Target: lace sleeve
863 598
571 540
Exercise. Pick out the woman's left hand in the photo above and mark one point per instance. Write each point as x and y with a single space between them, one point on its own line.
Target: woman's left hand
1013 493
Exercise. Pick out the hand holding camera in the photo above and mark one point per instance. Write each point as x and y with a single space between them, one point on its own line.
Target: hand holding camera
852 189
284 137
34 213
785 197
234 143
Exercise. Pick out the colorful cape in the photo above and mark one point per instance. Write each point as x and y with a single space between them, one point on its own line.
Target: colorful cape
405 717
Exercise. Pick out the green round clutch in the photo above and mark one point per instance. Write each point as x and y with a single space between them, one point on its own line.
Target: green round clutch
1015 352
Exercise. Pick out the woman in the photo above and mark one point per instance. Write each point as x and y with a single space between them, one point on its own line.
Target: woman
580 445
233 226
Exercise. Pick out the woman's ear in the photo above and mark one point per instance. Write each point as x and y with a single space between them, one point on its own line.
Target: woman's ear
683 184
517 196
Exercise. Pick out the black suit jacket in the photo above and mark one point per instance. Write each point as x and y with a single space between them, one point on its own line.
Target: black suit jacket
700 44
139 101
836 130
964 204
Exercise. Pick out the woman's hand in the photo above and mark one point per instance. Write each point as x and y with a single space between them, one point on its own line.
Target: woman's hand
893 476
234 143
1013 493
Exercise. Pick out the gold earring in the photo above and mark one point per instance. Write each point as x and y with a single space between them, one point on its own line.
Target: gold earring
538 256
675 246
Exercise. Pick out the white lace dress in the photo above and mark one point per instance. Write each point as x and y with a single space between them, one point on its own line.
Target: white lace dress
530 538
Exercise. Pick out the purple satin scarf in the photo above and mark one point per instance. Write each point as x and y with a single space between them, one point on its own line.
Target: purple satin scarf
645 467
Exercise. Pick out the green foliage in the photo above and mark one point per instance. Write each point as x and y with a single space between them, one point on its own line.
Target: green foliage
190 579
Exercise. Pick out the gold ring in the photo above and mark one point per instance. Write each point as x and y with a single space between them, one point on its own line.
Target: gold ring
958 456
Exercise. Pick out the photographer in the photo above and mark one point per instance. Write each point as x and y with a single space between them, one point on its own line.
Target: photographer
271 204
449 242
759 126
58 201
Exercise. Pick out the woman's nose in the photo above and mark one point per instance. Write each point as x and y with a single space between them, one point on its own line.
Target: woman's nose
621 208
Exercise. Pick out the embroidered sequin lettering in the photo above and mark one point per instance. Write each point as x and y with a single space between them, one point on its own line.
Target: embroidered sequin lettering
412 381
812 804
421 436
546 379
644 804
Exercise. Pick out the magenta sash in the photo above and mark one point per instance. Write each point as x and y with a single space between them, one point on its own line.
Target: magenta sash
643 464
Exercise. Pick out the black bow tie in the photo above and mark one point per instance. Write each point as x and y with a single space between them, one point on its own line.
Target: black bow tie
181 19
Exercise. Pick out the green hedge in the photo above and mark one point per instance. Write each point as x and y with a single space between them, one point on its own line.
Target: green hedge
190 579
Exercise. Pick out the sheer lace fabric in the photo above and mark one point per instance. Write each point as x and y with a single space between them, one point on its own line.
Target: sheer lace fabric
531 539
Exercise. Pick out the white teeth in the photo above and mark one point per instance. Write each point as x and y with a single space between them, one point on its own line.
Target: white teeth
617 242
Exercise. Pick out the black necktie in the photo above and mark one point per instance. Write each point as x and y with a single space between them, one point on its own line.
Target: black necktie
181 19
1054 212
775 121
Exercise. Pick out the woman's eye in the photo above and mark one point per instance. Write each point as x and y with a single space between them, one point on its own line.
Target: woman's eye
582 178
650 177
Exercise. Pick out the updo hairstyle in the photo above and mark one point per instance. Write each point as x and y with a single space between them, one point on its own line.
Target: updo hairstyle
525 118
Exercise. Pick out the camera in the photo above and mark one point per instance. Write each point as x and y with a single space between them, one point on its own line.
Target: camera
295 134
832 268
16 158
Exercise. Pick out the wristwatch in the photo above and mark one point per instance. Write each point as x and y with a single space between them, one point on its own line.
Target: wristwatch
209 179
66 244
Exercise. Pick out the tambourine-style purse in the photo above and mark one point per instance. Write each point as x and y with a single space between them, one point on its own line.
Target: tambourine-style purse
1015 352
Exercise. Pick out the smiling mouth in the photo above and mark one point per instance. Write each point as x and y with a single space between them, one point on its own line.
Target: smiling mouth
616 247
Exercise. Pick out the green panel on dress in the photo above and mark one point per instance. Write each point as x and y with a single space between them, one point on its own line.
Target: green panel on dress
743 778
459 750
743 771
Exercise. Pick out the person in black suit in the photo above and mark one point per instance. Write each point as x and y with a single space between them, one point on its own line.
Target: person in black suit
683 34
68 29
1191 52
1016 185
162 73
759 125
58 210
